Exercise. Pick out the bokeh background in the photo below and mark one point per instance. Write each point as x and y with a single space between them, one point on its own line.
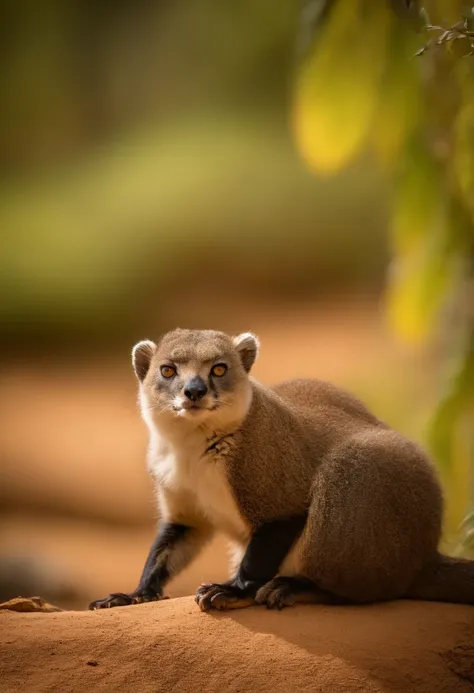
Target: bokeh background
209 165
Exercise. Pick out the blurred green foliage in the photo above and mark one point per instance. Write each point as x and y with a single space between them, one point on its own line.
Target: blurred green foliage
362 85
135 220
146 144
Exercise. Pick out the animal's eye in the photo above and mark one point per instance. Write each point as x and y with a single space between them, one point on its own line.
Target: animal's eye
168 371
219 370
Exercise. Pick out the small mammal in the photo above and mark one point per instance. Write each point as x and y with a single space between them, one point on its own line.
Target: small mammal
321 501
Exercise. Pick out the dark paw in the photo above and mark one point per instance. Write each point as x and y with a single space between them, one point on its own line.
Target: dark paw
223 596
284 591
275 598
122 599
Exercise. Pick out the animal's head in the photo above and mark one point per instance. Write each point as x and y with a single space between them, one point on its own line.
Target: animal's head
196 376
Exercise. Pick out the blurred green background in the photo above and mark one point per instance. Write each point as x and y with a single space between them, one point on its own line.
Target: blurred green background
281 167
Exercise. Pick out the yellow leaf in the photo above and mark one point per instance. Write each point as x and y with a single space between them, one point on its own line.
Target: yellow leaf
400 103
417 288
418 198
463 160
337 87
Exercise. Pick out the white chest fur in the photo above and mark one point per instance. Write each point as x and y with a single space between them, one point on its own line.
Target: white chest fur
184 467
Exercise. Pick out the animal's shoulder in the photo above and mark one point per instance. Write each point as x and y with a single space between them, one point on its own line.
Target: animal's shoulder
303 394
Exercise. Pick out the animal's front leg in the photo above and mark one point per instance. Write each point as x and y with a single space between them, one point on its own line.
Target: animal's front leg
173 548
268 546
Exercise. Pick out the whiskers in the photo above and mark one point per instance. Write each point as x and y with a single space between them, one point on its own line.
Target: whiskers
159 408
223 404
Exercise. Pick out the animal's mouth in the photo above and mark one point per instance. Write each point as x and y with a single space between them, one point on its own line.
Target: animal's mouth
192 407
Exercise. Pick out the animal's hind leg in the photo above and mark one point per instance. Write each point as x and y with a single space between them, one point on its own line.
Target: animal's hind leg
285 591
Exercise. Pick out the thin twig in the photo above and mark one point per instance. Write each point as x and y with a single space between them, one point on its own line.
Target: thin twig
458 31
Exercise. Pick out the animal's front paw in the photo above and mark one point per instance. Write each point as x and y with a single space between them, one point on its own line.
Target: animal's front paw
286 591
223 596
277 594
122 599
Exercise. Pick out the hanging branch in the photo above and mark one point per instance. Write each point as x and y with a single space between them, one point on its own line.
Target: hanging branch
462 30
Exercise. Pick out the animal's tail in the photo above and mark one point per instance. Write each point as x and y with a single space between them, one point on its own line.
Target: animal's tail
445 580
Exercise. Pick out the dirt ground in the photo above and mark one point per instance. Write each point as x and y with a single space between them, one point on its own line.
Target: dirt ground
171 646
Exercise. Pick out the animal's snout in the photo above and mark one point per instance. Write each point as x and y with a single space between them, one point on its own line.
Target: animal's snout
195 388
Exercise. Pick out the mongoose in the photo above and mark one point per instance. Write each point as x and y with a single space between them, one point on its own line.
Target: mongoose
321 501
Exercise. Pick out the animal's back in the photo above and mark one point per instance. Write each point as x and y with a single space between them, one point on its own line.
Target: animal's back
314 397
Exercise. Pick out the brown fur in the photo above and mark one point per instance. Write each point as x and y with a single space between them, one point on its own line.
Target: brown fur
373 499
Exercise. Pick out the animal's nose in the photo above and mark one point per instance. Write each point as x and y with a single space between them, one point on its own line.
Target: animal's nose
195 389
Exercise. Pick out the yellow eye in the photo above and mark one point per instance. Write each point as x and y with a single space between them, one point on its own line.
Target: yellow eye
219 370
168 371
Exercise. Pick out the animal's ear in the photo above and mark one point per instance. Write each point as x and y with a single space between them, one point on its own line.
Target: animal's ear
247 345
141 357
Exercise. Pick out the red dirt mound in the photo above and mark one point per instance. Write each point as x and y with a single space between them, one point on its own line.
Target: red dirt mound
172 646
